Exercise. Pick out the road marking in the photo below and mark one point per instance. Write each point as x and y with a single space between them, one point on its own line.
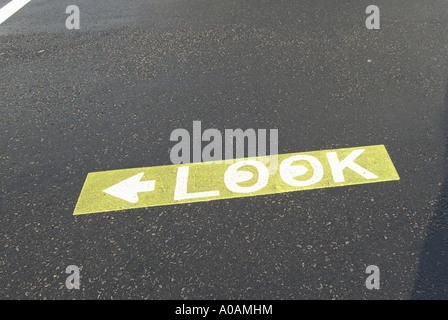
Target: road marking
128 189
187 183
12 7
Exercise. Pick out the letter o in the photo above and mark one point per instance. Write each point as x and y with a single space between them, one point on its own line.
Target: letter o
288 172
232 177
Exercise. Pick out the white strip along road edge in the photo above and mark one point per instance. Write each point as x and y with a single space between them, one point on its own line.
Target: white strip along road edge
11 8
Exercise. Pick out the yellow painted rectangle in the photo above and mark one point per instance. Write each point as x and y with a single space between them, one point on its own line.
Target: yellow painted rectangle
210 177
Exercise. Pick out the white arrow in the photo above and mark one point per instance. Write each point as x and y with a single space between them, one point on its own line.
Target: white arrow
128 189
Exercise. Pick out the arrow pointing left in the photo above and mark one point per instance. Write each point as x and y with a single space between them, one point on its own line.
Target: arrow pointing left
127 189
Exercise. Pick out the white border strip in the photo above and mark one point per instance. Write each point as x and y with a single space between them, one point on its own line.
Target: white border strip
11 8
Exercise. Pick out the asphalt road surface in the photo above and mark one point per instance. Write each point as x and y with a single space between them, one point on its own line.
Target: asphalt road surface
108 96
